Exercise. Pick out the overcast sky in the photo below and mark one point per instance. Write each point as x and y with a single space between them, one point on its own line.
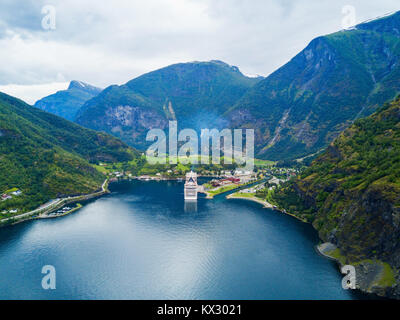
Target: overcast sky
111 42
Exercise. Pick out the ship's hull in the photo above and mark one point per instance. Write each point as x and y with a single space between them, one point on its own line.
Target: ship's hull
191 193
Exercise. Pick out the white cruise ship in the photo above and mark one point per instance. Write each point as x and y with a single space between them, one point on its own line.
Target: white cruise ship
191 186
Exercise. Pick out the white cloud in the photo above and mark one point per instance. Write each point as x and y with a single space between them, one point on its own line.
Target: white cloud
107 42
31 93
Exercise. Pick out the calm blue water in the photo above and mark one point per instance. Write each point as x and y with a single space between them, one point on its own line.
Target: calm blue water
141 242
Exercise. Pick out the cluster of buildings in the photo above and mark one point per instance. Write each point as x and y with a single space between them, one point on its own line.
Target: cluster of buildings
6 196
283 173
146 177
224 182
239 177
9 195
275 181
11 211
254 189
118 174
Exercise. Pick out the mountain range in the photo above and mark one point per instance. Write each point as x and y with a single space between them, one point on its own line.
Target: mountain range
336 79
333 95
66 103
195 94
296 111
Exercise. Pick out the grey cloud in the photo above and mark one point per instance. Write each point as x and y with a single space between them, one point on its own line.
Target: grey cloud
104 42
21 14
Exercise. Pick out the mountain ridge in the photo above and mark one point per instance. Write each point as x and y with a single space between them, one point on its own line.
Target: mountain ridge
296 111
66 103
194 93
305 104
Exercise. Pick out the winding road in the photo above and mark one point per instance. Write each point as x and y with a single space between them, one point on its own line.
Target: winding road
52 204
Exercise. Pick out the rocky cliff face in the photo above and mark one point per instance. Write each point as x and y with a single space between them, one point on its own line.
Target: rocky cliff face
351 195
304 105
129 122
296 111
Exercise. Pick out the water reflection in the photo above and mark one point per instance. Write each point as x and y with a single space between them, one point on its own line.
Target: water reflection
190 206
144 242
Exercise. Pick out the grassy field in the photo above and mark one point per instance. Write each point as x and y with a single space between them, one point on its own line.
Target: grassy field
245 195
207 160
264 163
336 254
387 277
223 189
11 190
102 169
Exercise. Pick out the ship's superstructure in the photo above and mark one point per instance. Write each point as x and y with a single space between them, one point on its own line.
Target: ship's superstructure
191 186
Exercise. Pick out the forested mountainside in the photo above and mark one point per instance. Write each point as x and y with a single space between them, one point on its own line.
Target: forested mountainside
336 79
45 156
296 111
195 94
351 194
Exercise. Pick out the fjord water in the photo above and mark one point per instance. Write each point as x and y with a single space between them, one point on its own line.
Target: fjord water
143 242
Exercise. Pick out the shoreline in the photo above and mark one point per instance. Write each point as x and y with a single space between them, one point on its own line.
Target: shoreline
266 205
369 272
152 178
47 216
323 247
209 196
234 190
40 212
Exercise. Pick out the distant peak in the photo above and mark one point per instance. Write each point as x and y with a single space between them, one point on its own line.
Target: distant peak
225 65
214 62
220 63
75 84
385 16
255 76
386 23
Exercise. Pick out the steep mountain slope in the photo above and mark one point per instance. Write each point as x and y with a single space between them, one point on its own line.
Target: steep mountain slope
304 105
46 156
351 194
66 103
196 94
